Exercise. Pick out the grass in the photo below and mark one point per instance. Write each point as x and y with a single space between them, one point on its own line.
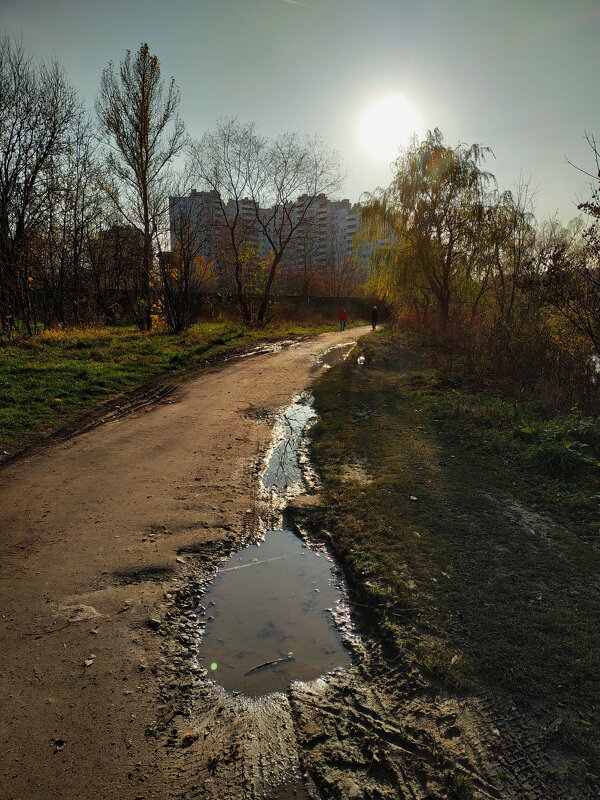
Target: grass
488 579
46 379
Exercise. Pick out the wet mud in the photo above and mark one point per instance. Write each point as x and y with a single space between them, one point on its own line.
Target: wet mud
269 692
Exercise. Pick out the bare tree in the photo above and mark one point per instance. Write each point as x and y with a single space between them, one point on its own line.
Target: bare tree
264 190
221 161
288 174
74 207
37 111
138 117
186 271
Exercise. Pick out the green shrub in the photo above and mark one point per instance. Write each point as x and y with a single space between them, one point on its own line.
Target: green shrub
556 458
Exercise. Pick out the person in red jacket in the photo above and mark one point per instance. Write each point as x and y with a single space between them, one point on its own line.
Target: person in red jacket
343 319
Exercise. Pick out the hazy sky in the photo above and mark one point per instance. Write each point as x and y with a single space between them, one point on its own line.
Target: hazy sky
521 76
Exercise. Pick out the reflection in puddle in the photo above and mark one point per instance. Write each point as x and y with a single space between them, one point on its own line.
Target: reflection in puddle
272 617
284 471
273 620
335 354
269 613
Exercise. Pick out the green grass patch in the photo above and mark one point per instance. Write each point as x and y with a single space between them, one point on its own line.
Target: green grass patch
46 379
477 549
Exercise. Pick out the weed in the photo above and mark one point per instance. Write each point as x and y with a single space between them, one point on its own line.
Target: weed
458 785
441 663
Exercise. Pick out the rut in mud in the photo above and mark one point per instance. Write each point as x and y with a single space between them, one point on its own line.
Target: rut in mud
265 620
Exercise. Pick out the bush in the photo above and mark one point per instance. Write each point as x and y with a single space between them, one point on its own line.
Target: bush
558 459
557 447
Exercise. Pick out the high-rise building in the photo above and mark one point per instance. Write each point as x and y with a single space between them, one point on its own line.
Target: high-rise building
323 237
203 214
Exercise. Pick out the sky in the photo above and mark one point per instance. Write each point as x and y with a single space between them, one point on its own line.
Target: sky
519 76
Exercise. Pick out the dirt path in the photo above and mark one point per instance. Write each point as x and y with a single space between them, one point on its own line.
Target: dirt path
93 532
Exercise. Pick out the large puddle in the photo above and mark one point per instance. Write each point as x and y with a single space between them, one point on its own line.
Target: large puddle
268 615
335 354
273 624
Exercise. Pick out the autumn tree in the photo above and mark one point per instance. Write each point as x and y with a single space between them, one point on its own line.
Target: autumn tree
422 228
142 132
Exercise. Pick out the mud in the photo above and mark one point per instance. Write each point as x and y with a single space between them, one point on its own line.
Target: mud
267 715
109 541
373 730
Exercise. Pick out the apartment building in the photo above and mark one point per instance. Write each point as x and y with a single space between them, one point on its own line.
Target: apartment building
324 235
202 216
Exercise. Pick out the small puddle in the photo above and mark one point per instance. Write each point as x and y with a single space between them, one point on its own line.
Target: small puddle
272 606
269 616
270 347
335 354
284 471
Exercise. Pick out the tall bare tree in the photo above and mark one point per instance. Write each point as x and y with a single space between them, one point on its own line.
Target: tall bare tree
138 117
265 189
38 109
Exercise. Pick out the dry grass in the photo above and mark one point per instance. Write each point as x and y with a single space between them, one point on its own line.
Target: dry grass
476 592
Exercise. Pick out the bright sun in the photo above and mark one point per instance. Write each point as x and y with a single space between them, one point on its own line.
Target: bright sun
386 125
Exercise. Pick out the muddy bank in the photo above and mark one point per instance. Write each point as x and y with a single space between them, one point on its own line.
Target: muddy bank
373 728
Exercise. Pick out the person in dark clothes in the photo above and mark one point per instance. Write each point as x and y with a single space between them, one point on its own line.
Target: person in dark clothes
374 317
343 319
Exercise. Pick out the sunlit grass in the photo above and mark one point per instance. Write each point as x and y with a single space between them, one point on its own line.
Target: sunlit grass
47 378
477 592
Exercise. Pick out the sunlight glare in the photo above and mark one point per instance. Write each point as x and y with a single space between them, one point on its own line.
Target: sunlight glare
386 125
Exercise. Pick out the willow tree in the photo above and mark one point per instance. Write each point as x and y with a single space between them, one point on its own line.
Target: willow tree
422 230
138 116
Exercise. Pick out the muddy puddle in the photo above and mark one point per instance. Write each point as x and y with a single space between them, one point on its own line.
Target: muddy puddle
270 347
269 616
272 623
334 355
286 463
